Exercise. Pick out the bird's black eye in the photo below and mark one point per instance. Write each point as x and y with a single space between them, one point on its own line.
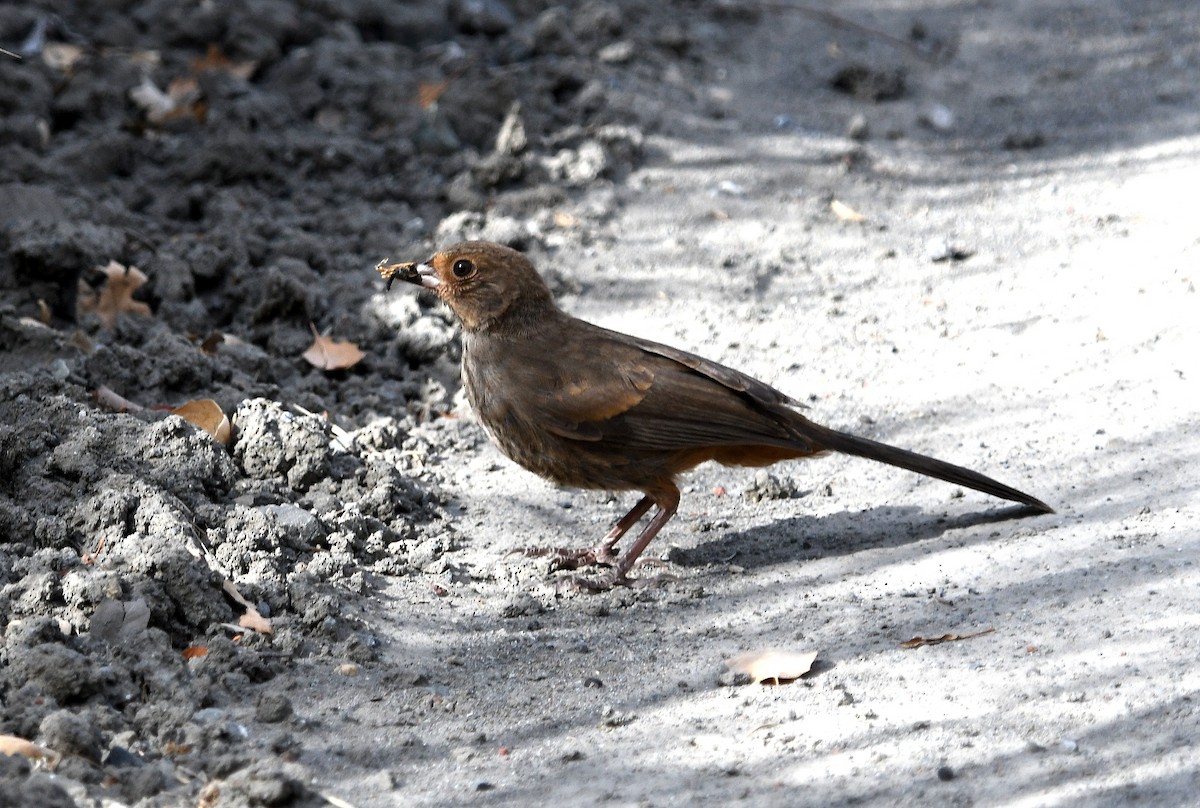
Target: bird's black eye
463 268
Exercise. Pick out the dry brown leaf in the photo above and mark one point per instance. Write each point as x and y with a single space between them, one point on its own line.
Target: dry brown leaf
210 344
181 99
12 745
154 103
565 220
773 665
845 212
195 651
214 59
428 92
116 298
231 589
61 56
255 621
334 800
206 414
917 642
329 354
251 619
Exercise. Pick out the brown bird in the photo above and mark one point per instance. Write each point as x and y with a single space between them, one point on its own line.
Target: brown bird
588 407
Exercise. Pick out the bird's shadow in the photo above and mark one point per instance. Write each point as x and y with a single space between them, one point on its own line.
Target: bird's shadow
803 538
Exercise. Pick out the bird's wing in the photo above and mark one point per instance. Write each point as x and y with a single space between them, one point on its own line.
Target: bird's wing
733 379
582 398
649 396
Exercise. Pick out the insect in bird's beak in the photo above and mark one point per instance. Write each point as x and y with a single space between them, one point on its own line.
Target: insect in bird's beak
419 274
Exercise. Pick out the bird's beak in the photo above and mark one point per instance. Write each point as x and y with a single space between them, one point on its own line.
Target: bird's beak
424 275
420 274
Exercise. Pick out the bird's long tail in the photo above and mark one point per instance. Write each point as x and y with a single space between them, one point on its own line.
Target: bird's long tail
921 464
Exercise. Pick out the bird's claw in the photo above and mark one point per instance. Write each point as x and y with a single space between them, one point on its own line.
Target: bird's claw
564 558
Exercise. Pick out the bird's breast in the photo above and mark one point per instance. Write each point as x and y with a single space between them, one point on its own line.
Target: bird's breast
502 405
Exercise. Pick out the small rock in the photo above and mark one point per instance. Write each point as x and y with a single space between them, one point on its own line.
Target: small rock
520 604
512 139
273 708
768 486
857 127
938 117
945 774
1024 141
870 84
578 167
70 734
612 717
941 249
616 53
208 715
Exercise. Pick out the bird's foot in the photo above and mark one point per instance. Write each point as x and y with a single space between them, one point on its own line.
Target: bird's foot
565 558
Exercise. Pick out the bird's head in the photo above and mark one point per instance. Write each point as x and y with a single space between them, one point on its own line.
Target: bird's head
487 286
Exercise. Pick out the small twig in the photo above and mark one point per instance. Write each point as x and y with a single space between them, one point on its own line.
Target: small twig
7 52
920 642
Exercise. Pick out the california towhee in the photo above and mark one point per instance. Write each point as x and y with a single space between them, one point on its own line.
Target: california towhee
591 408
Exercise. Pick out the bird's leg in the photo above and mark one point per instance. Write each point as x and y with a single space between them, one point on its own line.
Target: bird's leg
666 509
602 553
627 521
668 504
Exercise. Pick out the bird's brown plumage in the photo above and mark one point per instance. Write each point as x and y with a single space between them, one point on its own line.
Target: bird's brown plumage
588 407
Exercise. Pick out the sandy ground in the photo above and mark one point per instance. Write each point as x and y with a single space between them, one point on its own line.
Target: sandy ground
1019 298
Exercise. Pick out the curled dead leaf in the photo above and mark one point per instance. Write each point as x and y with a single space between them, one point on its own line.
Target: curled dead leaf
428 92
251 619
214 59
255 621
211 343
116 298
12 745
61 56
845 212
195 651
777 666
208 415
329 354
180 100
